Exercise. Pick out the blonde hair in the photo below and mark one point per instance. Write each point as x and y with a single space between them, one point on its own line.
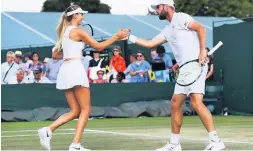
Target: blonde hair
62 25
60 30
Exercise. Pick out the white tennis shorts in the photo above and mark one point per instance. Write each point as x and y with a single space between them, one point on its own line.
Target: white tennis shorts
196 87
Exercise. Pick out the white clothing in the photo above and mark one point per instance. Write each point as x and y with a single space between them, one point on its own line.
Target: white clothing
185 47
12 72
72 72
86 62
197 87
183 41
43 80
29 77
28 64
71 49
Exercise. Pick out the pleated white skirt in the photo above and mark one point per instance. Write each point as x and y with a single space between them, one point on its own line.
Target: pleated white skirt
71 74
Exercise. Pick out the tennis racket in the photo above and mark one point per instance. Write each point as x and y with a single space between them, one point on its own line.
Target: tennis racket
88 28
190 72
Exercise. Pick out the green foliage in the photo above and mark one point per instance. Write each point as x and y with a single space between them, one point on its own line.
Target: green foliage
93 6
221 8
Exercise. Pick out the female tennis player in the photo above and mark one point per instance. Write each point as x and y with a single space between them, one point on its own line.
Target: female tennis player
187 39
72 77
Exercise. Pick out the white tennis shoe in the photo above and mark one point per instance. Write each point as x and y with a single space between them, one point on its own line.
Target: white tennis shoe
45 135
170 147
215 146
77 147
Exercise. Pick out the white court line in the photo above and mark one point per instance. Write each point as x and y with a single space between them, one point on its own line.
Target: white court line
10 136
146 23
55 134
160 137
21 131
128 134
28 27
99 29
43 35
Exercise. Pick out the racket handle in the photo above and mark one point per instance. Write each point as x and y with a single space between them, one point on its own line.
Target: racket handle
215 48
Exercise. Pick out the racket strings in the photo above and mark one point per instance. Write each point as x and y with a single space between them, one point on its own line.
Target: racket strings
188 73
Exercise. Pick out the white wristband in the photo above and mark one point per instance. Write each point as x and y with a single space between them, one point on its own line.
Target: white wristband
132 38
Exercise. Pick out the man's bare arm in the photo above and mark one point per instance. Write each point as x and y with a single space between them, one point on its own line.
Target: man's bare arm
147 43
197 27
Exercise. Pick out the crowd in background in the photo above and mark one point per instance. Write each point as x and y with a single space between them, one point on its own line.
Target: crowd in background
27 68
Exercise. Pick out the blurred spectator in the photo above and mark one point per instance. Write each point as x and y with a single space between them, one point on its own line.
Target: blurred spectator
28 61
121 78
100 75
96 64
39 78
117 61
36 63
19 78
143 57
127 71
162 55
29 76
132 58
139 69
209 75
52 69
18 59
8 68
95 61
153 53
45 62
86 60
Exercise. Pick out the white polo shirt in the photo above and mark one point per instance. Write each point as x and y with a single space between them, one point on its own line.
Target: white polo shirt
12 72
183 41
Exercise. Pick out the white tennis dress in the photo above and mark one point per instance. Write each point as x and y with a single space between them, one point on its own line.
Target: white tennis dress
72 72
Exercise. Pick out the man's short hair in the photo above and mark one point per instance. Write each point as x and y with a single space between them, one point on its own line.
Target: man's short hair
160 49
139 52
153 49
10 53
117 47
133 55
20 70
101 71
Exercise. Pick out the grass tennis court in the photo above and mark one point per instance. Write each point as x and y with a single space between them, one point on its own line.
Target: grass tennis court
131 134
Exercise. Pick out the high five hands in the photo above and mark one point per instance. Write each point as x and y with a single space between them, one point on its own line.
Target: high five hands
123 34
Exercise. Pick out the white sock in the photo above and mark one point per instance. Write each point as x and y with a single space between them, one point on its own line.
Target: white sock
174 138
49 131
213 136
76 145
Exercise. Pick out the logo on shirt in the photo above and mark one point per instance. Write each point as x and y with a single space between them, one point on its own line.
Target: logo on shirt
186 23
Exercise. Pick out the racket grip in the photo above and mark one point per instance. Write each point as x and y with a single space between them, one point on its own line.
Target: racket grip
215 48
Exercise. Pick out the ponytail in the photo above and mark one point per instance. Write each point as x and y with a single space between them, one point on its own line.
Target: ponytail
60 30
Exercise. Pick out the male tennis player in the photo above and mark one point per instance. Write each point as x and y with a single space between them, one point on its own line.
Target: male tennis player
187 39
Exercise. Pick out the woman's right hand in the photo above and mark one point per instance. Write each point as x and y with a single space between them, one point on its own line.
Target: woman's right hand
123 34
